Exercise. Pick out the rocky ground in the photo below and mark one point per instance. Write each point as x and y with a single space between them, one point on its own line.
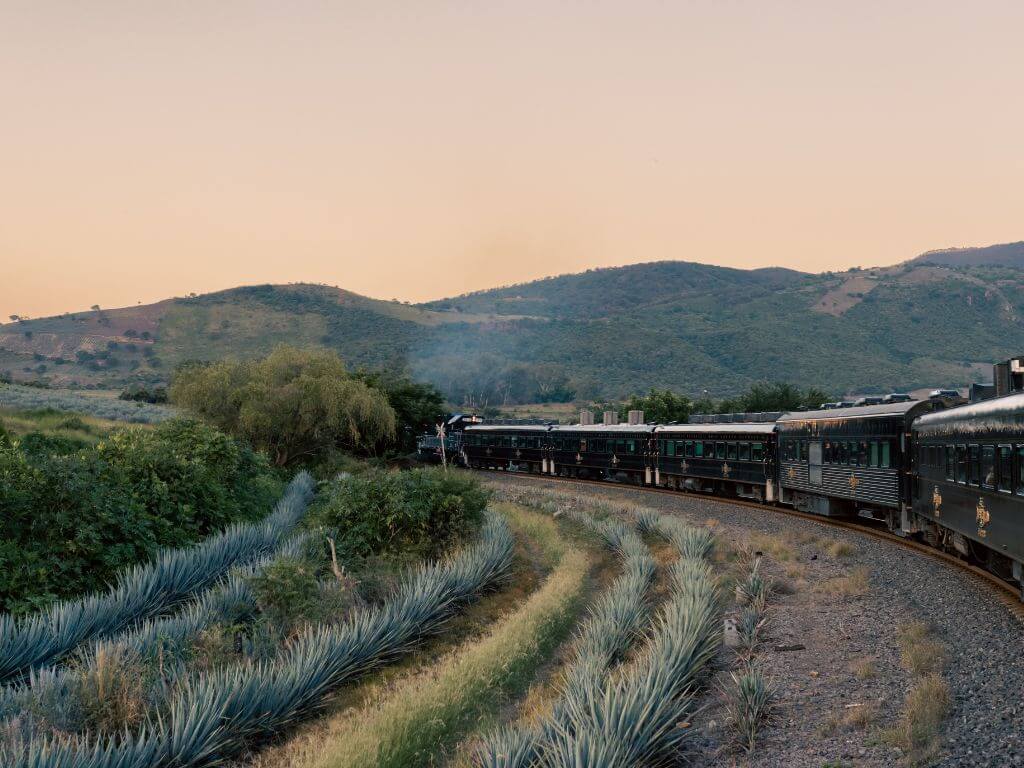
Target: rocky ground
845 598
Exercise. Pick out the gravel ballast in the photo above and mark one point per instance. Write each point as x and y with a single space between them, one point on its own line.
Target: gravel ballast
851 657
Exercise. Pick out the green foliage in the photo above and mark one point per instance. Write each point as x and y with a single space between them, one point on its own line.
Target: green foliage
293 404
662 406
75 516
420 511
141 394
285 590
779 396
418 407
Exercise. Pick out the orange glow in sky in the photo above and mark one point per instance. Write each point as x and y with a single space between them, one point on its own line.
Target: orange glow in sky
422 149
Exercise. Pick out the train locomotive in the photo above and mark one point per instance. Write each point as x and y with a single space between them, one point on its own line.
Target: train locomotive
936 469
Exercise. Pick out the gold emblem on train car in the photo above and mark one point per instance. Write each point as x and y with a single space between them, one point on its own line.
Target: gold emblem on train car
792 473
488 451
579 458
726 470
937 502
683 465
518 453
615 460
982 515
854 482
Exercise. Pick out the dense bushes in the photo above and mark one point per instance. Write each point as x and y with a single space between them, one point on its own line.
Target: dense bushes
73 517
382 512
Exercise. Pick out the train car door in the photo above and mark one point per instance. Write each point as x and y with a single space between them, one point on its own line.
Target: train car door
814 463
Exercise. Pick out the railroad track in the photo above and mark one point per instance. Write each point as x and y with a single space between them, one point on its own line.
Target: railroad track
1008 593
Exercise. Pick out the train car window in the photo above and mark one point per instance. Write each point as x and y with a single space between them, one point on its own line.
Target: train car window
689 448
884 460
744 451
730 451
950 463
719 450
1004 456
515 441
698 449
583 446
757 452
988 466
670 448
873 455
851 452
973 465
961 464
631 446
1019 483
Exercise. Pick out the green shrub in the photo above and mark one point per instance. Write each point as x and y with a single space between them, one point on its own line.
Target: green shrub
72 519
420 511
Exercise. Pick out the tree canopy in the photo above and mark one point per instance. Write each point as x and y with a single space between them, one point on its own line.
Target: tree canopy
659 405
293 404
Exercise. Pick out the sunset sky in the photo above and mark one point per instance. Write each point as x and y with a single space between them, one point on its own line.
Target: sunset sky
423 149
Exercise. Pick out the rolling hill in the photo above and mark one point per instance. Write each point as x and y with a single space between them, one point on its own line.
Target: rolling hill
602 333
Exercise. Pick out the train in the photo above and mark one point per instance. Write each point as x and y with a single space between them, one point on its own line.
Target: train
939 469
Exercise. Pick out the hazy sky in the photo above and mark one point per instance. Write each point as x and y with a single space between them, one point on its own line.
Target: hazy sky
422 149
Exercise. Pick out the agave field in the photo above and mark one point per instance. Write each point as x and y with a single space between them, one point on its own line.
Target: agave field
579 670
34 398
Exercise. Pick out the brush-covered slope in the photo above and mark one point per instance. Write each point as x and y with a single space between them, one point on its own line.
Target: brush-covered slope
603 333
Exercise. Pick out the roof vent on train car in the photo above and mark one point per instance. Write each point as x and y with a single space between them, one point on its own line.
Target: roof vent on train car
586 418
610 418
868 400
635 417
897 397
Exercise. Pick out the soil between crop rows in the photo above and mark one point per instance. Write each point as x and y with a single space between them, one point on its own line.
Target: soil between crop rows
836 695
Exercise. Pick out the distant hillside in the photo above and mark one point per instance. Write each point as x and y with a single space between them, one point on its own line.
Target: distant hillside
1007 255
602 333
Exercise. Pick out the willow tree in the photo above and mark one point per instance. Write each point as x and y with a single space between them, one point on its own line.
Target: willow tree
293 404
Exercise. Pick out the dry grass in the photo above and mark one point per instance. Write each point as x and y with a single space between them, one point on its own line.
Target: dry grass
864 669
112 691
855 583
856 717
778 548
920 653
918 733
840 549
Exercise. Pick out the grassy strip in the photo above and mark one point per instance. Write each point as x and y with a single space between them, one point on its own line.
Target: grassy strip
919 732
424 715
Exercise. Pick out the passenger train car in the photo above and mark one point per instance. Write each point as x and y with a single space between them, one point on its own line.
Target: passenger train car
952 475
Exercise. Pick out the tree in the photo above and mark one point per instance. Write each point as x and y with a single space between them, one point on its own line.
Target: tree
661 406
293 404
418 407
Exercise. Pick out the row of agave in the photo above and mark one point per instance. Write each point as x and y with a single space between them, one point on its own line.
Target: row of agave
166 638
639 718
634 718
145 590
613 623
217 715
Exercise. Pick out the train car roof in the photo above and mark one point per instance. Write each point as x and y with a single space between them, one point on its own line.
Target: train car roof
1000 414
758 428
855 412
507 427
603 428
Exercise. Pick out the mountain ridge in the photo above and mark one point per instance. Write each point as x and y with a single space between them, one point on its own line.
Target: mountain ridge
602 333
